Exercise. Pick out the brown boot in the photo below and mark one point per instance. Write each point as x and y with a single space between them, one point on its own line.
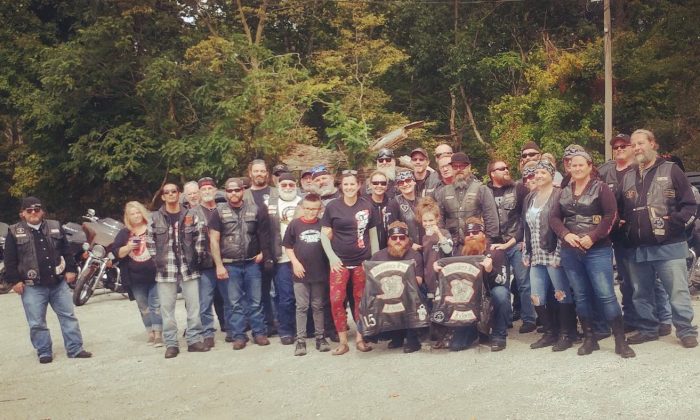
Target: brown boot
590 343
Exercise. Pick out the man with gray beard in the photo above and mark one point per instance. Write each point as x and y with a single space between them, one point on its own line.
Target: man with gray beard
281 210
464 198
323 184
657 205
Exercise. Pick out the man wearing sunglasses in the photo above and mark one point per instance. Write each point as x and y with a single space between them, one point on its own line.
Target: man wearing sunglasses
466 197
509 198
530 152
176 240
239 236
37 261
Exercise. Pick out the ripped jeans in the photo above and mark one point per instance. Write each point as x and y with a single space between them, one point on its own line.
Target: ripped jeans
544 277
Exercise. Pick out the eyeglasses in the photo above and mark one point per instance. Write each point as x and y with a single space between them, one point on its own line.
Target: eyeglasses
504 168
458 166
531 154
33 210
418 159
404 182
168 192
312 208
234 190
621 147
382 183
349 172
398 237
384 160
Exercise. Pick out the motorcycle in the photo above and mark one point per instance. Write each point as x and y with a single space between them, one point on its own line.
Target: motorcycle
4 287
99 269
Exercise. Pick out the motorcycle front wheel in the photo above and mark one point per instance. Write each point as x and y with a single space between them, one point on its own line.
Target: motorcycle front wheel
85 285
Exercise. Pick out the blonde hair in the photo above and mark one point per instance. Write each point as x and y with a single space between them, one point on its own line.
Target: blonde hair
138 206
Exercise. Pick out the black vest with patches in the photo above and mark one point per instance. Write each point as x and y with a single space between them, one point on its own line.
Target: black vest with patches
660 199
239 240
188 232
508 218
407 215
28 263
458 211
583 214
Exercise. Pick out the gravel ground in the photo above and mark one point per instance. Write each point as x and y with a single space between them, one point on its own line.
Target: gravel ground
128 379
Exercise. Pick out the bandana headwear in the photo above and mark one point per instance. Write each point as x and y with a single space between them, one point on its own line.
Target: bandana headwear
206 181
528 171
571 149
397 230
474 227
547 166
583 154
404 175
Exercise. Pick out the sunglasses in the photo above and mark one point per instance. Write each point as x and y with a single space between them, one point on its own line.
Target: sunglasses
382 183
621 147
505 168
288 185
349 172
384 160
473 233
458 166
233 190
168 192
398 237
531 154
33 210
404 182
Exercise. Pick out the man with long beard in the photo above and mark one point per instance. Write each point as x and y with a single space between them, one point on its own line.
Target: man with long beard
281 209
466 197
656 207
476 243
509 199
398 249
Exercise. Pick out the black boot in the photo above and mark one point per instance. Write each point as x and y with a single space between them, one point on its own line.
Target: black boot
544 314
567 327
590 343
621 346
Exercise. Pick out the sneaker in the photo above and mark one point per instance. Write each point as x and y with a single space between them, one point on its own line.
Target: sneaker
664 330
640 338
209 342
197 347
527 327
171 352
689 341
261 340
322 345
287 340
45 359
239 344
300 349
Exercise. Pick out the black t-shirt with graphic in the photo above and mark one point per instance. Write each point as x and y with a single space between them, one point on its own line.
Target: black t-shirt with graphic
305 239
261 196
351 225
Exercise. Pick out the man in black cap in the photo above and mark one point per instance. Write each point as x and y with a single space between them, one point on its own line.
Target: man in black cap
466 197
426 181
277 170
530 152
37 261
306 181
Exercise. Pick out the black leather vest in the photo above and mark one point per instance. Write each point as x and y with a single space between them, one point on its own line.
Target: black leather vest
188 233
581 216
28 264
661 199
407 215
239 240
457 211
508 218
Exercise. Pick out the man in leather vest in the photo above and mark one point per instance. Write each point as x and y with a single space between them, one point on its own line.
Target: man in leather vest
656 207
612 172
37 260
239 237
509 198
175 239
466 197
211 290
281 210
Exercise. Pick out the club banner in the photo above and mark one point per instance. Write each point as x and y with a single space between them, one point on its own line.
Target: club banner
391 300
460 298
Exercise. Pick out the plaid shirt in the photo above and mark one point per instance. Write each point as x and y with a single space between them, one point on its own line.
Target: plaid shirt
172 274
540 256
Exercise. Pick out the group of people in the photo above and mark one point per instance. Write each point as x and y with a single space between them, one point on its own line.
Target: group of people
278 249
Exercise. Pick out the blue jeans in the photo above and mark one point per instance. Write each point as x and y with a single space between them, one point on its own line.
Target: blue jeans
146 296
502 312
285 303
35 300
674 278
207 284
591 276
244 293
544 277
167 292
521 273
661 300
